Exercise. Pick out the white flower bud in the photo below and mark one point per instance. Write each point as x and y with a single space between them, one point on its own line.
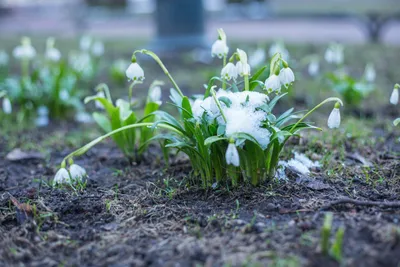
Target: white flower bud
334 118
77 172
7 107
62 177
155 95
229 72
135 72
98 49
286 76
370 73
394 98
219 49
232 155
273 84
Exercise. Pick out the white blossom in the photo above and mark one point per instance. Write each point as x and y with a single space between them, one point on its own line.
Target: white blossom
313 68
273 83
242 69
155 95
394 98
7 107
135 72
232 155
62 177
85 43
25 51
257 58
219 49
286 76
334 118
370 73
124 109
53 54
229 72
77 172
98 49
334 54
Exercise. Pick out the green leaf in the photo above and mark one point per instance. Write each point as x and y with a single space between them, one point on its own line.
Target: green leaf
213 139
221 129
396 121
273 102
255 76
109 107
226 101
210 84
102 121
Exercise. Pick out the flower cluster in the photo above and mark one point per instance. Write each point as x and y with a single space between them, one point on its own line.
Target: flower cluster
74 174
230 134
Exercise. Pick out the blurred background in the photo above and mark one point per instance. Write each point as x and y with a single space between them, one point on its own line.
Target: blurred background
316 21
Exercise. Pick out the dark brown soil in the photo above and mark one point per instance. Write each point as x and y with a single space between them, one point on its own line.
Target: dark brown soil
145 215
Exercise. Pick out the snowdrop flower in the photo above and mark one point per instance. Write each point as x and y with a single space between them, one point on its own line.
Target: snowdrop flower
286 76
257 58
52 54
370 73
229 72
25 51
155 95
273 83
232 155
313 67
77 172
334 54
43 116
3 58
124 109
243 68
394 98
62 177
98 49
7 107
334 117
135 72
219 49
85 43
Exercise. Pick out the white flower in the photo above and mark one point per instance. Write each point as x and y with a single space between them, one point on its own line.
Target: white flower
313 68
135 72
334 54
7 107
25 51
394 98
3 58
229 72
77 172
286 76
43 111
257 58
232 155
273 84
42 121
98 49
242 69
334 118
85 43
370 73
124 109
219 49
83 117
62 177
155 95
53 54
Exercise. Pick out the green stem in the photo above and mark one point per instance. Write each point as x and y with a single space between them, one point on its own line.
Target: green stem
330 99
89 145
158 60
246 82
217 102
25 67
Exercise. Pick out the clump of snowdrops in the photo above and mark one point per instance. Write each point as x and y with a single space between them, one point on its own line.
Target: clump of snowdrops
49 85
231 134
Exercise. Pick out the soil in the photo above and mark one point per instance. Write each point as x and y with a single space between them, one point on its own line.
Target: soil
147 215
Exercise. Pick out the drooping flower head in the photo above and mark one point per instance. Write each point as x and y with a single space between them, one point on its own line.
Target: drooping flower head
273 84
220 48
286 75
7 107
394 97
77 172
370 73
52 53
25 51
334 117
243 68
232 155
334 54
134 71
229 72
